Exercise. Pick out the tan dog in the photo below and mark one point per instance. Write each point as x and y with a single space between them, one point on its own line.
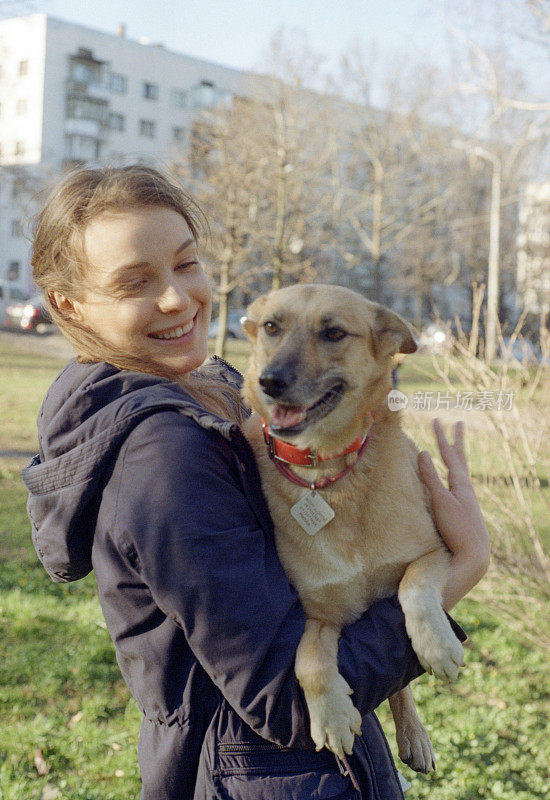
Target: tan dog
319 376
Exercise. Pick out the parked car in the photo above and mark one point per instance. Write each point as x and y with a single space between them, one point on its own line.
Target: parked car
234 330
10 294
28 315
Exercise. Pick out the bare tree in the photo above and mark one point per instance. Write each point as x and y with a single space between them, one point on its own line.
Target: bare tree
224 166
257 166
392 188
295 160
505 134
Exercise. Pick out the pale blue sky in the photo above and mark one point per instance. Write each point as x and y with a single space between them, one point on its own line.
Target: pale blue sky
237 32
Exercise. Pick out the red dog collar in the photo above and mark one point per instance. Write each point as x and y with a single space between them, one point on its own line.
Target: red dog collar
290 454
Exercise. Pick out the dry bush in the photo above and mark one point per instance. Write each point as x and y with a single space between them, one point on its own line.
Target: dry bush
510 459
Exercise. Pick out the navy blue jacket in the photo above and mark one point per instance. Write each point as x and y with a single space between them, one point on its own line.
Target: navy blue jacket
163 500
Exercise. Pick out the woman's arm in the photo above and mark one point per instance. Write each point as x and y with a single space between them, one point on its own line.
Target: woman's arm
212 568
457 515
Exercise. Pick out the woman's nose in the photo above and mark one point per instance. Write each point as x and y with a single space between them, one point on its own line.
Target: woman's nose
172 299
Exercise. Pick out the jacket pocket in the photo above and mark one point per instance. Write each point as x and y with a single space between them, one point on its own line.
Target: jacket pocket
266 771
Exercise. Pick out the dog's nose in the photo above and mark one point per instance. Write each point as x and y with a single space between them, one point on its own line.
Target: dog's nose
273 382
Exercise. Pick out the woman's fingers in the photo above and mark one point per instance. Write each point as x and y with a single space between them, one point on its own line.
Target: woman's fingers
453 455
429 475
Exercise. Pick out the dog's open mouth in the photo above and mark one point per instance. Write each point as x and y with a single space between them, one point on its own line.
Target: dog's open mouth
294 419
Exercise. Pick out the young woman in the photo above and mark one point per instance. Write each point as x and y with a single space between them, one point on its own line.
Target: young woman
144 476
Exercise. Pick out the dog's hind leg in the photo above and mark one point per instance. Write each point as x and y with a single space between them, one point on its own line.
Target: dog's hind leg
413 740
334 719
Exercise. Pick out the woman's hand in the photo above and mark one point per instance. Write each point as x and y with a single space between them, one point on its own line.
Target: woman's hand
457 516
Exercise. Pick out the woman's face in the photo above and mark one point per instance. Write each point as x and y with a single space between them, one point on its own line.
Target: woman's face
150 294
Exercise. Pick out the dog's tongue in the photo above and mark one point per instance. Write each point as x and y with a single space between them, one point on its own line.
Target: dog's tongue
287 416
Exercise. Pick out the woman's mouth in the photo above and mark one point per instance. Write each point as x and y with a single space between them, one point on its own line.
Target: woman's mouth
175 333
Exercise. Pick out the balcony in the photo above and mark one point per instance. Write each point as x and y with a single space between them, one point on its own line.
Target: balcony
94 89
83 127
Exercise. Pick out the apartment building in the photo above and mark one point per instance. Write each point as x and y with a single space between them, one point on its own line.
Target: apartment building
71 95
533 271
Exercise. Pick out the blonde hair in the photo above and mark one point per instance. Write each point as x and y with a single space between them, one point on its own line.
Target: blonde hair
60 262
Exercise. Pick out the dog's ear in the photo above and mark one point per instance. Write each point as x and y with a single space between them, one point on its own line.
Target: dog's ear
249 323
391 333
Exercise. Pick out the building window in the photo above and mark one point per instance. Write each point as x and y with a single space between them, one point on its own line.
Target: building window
178 98
21 107
13 271
20 148
117 122
16 229
85 73
118 83
79 147
23 68
205 95
179 135
147 128
149 91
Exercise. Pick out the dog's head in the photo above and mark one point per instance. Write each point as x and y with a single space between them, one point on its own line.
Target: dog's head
321 360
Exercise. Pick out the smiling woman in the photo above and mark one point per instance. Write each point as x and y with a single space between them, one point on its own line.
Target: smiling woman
151 296
115 254
144 476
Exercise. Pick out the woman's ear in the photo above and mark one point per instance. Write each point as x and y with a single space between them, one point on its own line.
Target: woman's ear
69 308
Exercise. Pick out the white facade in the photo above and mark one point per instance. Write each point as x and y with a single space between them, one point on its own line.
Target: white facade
533 272
70 94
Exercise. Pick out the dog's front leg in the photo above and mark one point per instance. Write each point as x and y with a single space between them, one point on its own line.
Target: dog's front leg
420 591
334 719
413 740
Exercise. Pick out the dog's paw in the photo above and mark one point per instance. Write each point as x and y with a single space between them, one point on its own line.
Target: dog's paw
334 719
438 649
415 747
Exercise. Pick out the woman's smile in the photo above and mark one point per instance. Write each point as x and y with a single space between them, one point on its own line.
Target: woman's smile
151 297
179 332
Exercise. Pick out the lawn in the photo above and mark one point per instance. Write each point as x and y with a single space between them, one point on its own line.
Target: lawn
65 712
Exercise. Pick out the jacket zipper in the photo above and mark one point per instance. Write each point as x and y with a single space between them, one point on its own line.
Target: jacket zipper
254 747
227 364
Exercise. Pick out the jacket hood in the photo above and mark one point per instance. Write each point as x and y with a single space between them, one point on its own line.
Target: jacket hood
87 413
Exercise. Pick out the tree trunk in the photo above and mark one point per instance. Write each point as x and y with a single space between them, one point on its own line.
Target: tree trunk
493 266
221 336
377 234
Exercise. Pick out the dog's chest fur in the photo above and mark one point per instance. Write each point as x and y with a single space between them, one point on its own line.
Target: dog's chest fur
381 524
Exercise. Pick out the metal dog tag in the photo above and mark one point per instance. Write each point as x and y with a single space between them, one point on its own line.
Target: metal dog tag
312 512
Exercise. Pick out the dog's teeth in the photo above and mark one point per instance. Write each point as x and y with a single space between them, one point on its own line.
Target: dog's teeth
287 416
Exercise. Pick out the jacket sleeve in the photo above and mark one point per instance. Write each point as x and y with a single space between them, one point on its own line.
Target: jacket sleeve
213 569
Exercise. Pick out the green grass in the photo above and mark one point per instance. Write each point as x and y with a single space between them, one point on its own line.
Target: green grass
61 691
24 378
60 688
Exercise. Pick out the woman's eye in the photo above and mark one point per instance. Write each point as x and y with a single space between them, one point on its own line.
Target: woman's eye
187 264
271 328
133 286
333 334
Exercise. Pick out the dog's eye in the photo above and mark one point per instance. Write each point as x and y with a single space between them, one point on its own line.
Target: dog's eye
271 328
333 334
